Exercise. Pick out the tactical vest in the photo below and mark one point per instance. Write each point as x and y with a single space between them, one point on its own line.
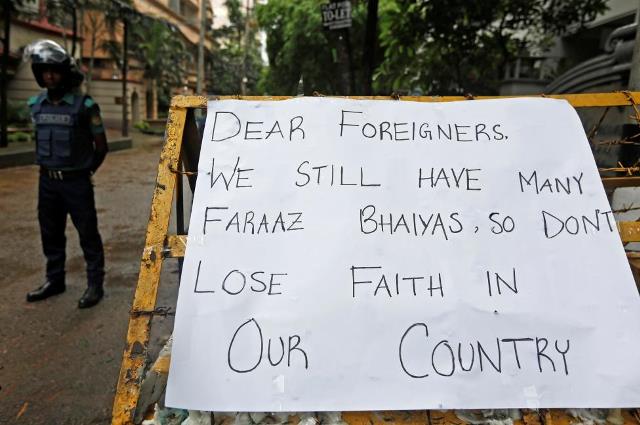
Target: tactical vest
63 142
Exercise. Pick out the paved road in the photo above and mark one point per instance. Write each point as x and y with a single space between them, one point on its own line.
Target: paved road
59 364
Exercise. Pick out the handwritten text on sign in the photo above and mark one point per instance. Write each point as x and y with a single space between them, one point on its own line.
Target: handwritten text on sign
371 255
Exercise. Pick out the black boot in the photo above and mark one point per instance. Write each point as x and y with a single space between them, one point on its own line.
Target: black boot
48 289
91 297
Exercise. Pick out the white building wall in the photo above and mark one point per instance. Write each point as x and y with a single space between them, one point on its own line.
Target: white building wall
107 94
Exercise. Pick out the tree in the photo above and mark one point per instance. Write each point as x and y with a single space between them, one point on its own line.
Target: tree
152 43
436 46
61 11
298 46
94 25
117 12
163 55
458 46
8 10
370 44
235 64
64 13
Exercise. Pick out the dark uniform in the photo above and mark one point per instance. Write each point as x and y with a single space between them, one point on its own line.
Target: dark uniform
65 129
64 140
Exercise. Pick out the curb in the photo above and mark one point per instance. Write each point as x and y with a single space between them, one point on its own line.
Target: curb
28 156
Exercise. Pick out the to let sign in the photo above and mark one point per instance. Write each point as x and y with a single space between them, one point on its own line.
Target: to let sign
336 15
379 255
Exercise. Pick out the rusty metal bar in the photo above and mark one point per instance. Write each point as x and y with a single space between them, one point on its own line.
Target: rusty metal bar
134 358
596 128
629 171
615 182
629 231
402 417
158 311
175 246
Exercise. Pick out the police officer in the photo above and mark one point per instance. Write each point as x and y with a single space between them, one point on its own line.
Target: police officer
70 146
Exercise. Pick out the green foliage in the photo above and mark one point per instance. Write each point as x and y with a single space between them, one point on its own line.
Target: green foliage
231 60
143 126
114 49
158 47
154 43
298 46
431 46
60 12
458 46
164 101
154 127
19 137
17 8
70 14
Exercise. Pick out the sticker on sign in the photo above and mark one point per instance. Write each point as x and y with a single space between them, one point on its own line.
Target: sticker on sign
383 255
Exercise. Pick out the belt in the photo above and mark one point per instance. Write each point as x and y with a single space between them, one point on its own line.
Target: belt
64 175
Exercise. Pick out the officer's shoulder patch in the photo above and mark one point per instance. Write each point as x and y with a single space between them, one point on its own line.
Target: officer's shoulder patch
88 102
33 100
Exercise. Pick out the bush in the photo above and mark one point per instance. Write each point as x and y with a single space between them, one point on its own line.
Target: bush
143 126
18 114
19 136
147 128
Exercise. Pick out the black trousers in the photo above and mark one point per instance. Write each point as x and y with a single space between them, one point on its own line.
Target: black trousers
56 199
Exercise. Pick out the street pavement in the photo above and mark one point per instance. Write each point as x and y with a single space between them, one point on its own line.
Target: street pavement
59 364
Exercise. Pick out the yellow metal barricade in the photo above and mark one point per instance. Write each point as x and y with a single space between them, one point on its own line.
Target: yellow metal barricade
181 147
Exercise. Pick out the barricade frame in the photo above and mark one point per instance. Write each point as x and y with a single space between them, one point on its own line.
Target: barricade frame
181 151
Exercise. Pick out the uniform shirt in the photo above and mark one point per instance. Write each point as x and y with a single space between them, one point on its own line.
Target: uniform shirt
90 112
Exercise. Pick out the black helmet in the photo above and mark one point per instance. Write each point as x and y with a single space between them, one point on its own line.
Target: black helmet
47 53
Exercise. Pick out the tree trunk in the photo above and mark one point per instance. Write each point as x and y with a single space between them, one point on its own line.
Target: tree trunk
200 90
246 40
154 99
352 72
370 42
4 139
91 55
125 71
338 40
74 37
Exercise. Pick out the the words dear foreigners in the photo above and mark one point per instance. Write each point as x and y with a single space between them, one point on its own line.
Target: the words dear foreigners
367 255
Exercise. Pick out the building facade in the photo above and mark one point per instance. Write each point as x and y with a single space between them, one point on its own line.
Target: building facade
103 72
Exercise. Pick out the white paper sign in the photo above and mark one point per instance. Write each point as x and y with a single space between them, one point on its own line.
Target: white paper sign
379 255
